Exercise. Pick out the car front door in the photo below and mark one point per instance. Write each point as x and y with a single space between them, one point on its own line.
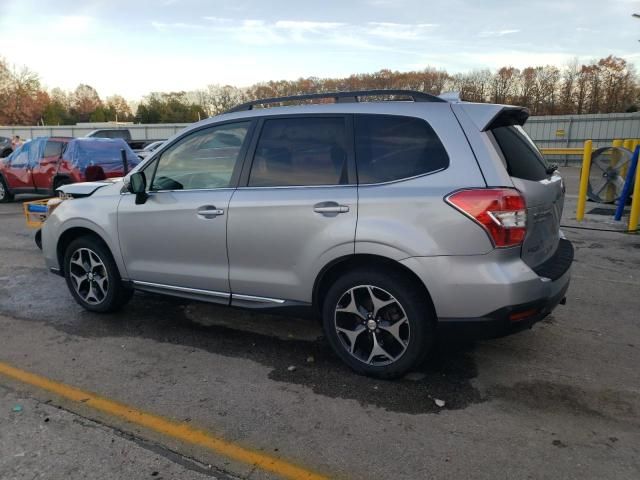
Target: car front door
295 210
176 241
18 172
45 169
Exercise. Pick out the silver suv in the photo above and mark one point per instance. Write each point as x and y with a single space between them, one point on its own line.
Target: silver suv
393 221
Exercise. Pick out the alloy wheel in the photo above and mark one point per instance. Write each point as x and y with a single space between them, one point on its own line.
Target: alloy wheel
89 276
372 325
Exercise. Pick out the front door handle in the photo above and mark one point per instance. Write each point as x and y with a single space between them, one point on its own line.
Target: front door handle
330 208
210 211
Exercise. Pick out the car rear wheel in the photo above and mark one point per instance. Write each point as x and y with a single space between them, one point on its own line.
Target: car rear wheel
5 194
92 276
379 323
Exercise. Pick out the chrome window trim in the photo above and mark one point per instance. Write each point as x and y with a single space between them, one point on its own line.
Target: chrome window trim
151 192
298 186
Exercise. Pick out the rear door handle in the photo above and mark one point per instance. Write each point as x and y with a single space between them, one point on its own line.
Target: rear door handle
210 211
330 208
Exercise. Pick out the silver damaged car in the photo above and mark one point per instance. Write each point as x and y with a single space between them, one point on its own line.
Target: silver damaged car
394 221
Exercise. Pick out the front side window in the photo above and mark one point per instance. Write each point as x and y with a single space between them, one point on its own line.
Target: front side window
300 151
202 160
392 148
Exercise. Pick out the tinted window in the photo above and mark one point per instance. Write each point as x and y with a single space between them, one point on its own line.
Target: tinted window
300 151
205 159
390 148
522 157
53 149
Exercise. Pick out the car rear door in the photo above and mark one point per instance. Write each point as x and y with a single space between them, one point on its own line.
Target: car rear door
177 240
543 191
295 210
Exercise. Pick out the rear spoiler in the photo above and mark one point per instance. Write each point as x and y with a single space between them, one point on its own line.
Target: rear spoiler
490 116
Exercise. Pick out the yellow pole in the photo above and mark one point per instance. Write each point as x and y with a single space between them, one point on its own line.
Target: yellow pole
584 179
635 204
628 144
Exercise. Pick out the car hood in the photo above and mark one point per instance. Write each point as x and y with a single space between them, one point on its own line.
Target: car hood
85 189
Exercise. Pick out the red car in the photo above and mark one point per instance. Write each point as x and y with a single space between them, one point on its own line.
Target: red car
44 164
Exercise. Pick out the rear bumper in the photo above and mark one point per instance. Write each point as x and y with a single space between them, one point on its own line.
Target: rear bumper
488 296
499 323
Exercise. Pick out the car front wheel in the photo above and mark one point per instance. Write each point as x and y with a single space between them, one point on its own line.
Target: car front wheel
379 323
92 276
5 194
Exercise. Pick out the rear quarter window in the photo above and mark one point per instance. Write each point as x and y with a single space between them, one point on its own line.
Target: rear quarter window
393 147
522 158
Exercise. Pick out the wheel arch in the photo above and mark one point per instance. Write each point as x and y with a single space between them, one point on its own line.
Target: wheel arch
69 236
341 265
6 185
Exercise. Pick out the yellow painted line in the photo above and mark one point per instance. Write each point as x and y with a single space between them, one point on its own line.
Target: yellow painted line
164 426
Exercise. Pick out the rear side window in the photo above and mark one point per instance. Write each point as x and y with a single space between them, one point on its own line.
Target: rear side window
520 153
392 147
300 151
53 149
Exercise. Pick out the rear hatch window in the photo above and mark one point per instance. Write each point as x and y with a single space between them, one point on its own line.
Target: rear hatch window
543 192
523 160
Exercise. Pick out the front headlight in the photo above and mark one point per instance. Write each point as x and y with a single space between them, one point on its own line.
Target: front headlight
53 203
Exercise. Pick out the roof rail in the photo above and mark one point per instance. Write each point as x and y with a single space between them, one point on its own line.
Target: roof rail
340 97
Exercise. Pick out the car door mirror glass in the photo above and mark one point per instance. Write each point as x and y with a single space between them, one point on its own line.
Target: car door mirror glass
138 185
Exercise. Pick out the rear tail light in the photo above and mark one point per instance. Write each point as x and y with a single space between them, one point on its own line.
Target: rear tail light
500 211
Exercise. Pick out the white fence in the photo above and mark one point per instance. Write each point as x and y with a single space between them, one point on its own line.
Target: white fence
547 131
159 131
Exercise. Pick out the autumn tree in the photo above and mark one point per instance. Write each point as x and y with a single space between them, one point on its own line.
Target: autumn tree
85 101
22 100
118 108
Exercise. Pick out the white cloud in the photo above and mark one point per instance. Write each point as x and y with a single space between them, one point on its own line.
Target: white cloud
498 33
176 25
399 31
306 25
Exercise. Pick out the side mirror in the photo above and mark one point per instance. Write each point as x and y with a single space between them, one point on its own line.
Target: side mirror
138 185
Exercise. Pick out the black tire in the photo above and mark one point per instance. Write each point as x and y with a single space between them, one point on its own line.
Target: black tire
419 331
5 195
116 295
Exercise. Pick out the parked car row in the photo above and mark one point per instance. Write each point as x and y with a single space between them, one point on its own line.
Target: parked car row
44 164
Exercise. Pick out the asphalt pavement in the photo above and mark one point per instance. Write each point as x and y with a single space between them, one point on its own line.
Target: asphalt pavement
561 400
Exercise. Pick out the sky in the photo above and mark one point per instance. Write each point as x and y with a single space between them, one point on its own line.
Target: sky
135 47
